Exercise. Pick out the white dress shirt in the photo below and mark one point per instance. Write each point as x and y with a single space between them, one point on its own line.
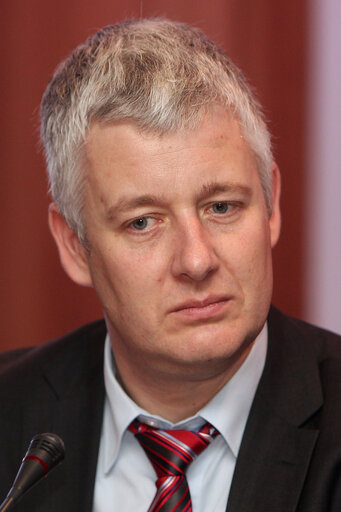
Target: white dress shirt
125 479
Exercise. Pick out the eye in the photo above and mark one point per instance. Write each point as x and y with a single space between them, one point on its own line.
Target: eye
220 207
140 224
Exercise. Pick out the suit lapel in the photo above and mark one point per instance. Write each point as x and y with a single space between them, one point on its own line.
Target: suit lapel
271 467
72 408
278 441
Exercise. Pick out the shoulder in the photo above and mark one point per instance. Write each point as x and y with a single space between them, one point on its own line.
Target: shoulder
307 348
321 341
80 348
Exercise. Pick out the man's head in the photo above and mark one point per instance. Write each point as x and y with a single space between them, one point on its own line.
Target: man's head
166 200
163 76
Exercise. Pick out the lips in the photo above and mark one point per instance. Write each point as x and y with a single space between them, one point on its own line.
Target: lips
202 309
201 303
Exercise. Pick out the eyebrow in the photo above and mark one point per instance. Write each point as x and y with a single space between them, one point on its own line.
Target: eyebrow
125 204
207 190
211 188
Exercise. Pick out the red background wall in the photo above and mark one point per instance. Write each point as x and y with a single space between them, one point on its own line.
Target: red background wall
268 41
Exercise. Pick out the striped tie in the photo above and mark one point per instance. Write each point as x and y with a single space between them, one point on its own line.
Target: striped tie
171 452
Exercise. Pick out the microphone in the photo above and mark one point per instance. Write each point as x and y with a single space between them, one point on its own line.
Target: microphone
44 453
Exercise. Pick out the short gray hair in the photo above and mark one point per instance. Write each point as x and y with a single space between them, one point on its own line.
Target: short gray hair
160 74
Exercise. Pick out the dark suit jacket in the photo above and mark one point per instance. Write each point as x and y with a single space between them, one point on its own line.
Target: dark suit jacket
290 457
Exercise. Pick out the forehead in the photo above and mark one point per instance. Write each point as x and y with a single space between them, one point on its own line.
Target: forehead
217 128
121 158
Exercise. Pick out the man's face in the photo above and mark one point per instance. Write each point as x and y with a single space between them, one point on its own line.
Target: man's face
180 243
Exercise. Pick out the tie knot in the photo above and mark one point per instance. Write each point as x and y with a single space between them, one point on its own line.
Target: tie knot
171 451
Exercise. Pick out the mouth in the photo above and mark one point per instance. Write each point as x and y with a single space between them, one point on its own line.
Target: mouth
211 307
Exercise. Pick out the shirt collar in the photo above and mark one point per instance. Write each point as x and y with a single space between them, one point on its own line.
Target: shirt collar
228 410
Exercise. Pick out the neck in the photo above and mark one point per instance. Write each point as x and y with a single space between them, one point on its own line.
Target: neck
175 396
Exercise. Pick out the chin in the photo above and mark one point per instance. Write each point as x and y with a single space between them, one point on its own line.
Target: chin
226 340
214 343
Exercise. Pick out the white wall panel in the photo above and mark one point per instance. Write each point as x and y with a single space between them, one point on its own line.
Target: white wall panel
323 192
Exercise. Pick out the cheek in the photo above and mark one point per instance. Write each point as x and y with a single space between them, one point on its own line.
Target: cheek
248 255
122 277
258 281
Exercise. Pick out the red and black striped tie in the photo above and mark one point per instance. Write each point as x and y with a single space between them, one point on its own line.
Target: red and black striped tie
171 452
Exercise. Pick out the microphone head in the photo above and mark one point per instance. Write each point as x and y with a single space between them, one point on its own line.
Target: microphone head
47 448
44 453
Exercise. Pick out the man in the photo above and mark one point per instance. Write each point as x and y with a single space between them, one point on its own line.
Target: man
166 202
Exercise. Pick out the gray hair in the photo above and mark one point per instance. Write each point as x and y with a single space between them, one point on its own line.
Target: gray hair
160 74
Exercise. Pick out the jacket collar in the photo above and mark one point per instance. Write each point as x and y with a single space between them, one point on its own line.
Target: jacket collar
276 448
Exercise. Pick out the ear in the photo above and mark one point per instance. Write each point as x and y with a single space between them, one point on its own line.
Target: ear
73 255
275 219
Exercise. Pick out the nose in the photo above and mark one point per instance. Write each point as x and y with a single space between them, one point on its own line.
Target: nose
194 253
